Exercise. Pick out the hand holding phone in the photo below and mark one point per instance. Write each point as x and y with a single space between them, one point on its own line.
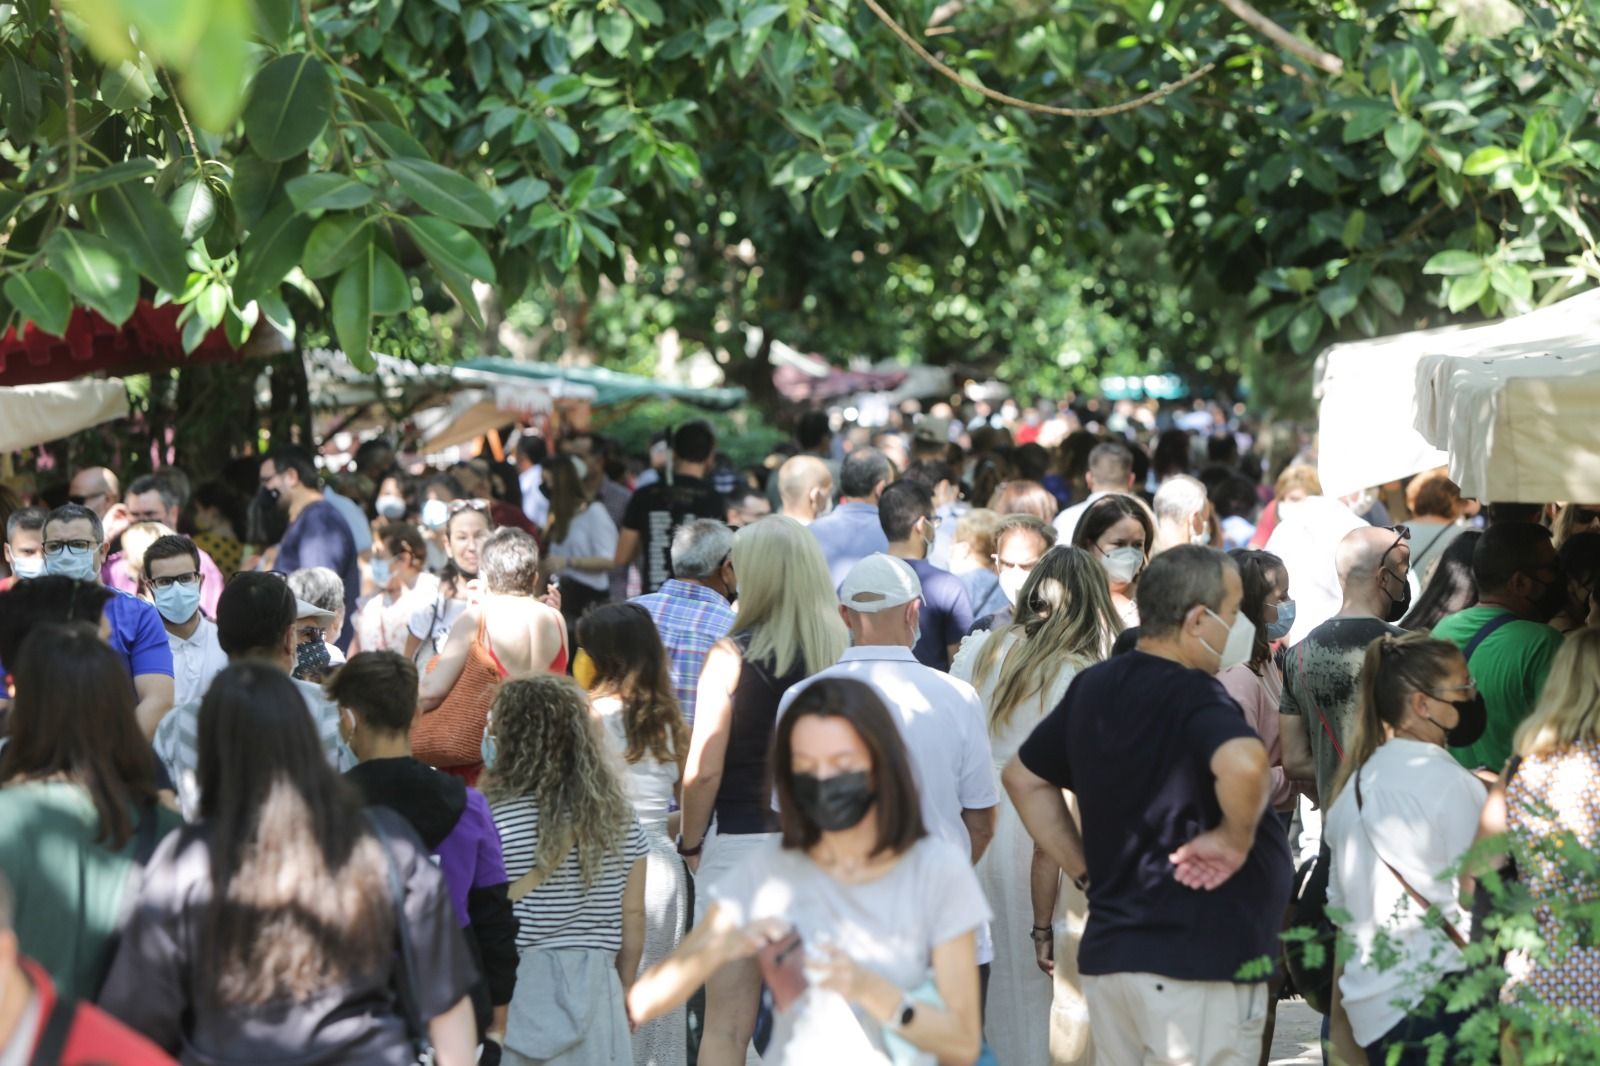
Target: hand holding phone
783 968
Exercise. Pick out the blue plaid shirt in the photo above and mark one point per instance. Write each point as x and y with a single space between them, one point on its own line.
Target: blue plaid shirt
691 618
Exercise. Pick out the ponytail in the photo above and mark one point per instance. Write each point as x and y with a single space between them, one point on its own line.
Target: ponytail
1393 669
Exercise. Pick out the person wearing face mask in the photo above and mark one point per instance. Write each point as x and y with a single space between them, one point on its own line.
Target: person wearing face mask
972 560
171 580
1320 695
1182 513
1257 684
1187 881
404 588
940 718
317 534
865 921
25 543
74 547
1119 531
1580 562
1403 814
1020 541
906 513
464 531
1506 638
691 610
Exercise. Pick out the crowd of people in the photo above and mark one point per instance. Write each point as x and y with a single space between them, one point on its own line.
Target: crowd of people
993 735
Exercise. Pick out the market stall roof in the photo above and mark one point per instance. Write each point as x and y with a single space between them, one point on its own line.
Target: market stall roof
610 386
35 414
150 339
1518 411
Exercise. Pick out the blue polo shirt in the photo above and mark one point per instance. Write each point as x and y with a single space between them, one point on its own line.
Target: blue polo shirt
138 635
847 536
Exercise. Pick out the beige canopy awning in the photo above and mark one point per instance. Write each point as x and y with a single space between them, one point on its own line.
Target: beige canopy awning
37 414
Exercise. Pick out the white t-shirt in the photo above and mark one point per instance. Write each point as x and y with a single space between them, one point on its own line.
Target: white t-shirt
591 532
195 662
1066 522
1420 811
942 722
889 926
649 781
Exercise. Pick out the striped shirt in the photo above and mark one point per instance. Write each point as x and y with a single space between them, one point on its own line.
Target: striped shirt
561 913
177 743
691 618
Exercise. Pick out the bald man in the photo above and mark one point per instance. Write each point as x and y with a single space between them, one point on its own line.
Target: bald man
96 488
805 485
1321 678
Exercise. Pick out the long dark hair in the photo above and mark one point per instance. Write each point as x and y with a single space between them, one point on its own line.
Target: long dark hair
898 808
1452 587
1106 512
74 715
272 804
1258 572
630 663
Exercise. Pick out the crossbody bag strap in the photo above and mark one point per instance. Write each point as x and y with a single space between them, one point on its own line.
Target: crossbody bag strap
1484 632
1447 927
53 1034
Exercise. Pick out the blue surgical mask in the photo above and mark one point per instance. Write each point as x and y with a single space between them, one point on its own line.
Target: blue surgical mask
178 603
32 566
1280 629
435 513
488 749
73 563
380 572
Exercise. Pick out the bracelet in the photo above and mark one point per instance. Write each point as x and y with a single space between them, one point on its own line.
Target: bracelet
1081 884
1042 934
690 853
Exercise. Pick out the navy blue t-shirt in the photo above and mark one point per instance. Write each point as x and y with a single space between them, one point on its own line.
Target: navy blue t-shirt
946 614
1133 740
321 537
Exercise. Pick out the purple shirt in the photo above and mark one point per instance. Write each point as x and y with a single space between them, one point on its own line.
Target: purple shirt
690 619
470 856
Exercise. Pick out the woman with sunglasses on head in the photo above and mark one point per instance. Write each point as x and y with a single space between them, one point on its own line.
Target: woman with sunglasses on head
1403 814
465 527
863 925
403 588
1064 622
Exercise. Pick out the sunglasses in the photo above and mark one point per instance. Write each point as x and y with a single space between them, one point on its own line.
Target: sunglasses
1401 535
81 500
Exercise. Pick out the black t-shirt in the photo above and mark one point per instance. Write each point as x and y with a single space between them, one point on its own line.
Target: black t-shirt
658 509
1133 739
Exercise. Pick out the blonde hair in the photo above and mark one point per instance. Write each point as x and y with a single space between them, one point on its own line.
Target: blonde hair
977 528
1566 520
786 597
136 540
551 751
1302 476
1065 618
1394 668
1568 713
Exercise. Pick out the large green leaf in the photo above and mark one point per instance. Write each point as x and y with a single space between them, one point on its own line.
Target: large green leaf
968 216
326 191
123 86
270 251
391 292
21 103
395 142
352 311
43 299
194 209
258 185
213 76
1404 138
443 192
456 257
290 103
96 271
115 174
1453 262
334 243
141 225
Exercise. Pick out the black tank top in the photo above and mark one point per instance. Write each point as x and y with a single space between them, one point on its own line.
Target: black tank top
744 801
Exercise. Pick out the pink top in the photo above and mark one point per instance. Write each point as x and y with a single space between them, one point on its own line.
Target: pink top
1259 697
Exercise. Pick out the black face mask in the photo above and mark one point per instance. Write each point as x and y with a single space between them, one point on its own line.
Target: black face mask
1552 601
834 803
1470 725
312 661
1397 606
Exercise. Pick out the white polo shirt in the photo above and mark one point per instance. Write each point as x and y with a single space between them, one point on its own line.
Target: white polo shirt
195 661
942 723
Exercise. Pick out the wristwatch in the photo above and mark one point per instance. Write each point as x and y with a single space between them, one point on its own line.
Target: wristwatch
689 853
902 1016
1042 934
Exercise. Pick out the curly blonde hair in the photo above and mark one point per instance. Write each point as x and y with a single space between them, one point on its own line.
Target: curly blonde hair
551 751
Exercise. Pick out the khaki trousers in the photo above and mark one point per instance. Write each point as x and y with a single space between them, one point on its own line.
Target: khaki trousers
1144 1019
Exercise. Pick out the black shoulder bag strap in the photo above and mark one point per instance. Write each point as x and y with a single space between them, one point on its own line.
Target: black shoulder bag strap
405 989
53 1036
1485 632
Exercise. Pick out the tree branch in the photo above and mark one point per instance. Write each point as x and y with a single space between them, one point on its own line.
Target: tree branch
183 117
65 46
1283 38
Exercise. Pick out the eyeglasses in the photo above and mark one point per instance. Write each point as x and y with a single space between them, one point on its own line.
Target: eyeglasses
308 634
1470 688
184 580
1004 565
1401 535
81 500
56 547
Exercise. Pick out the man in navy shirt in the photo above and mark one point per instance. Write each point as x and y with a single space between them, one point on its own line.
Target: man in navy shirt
1186 880
318 534
906 513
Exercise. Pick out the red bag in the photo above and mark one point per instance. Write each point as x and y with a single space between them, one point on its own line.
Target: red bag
452 733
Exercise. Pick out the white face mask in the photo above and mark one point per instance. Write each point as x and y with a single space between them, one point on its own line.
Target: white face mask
25 567
391 507
1122 565
1011 582
1241 641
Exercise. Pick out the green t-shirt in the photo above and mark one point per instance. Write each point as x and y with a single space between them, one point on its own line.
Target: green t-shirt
1510 667
67 887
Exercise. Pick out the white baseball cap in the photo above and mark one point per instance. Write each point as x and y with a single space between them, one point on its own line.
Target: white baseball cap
878 583
304 611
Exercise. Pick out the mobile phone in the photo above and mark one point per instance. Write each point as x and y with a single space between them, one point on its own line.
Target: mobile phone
783 969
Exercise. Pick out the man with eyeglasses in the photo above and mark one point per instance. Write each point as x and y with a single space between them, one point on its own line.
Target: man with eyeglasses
172 581
151 498
906 512
74 547
1020 542
1506 637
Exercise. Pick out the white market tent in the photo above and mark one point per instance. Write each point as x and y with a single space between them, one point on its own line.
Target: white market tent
36 414
1512 407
